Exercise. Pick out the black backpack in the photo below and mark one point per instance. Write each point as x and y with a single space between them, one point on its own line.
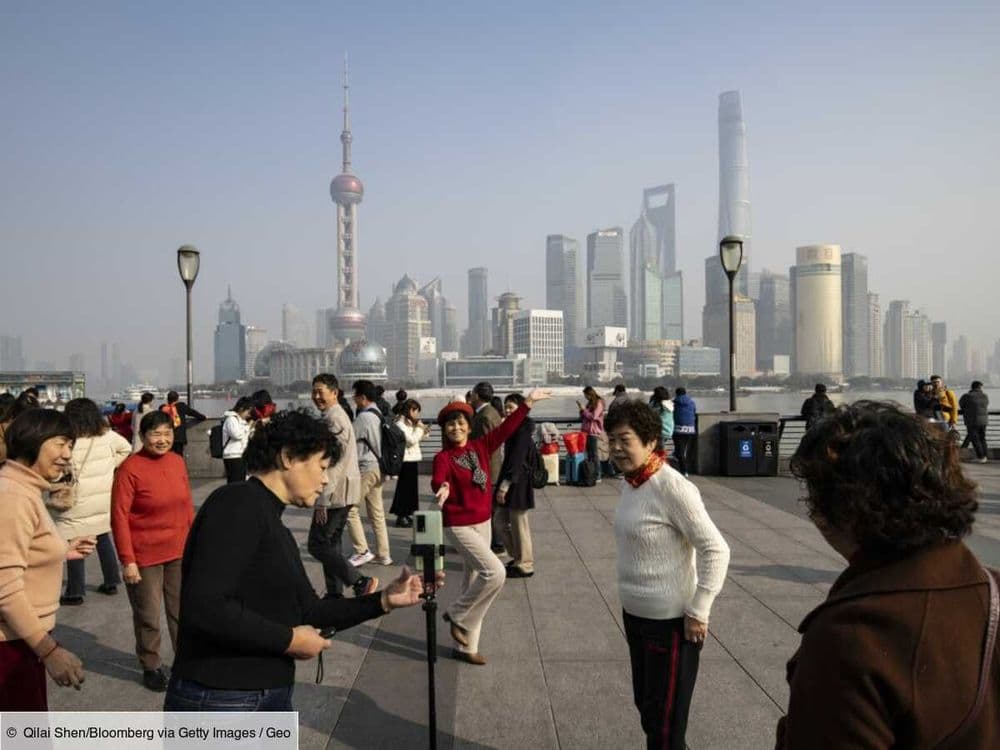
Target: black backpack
537 472
215 444
588 473
390 459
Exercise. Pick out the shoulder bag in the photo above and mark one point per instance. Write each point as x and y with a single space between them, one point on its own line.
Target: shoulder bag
63 494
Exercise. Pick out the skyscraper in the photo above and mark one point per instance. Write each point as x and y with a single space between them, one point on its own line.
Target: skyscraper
256 341
744 331
12 354
406 322
854 302
774 320
563 288
442 324
449 337
897 338
939 344
875 352
653 302
539 335
816 311
294 327
958 368
607 302
230 342
502 328
922 345
346 190
478 338
734 173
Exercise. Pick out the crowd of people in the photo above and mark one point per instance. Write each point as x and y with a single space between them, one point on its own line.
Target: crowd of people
884 488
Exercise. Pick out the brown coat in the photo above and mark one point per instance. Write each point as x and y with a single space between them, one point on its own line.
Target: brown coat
891 658
483 421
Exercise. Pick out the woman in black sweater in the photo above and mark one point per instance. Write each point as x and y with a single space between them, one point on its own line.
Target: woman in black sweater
248 610
515 495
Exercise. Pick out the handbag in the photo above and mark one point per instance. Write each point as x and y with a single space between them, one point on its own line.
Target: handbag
63 494
984 668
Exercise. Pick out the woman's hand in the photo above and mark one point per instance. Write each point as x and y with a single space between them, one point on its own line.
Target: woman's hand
406 590
694 630
131 573
80 547
64 668
441 496
306 642
538 394
501 496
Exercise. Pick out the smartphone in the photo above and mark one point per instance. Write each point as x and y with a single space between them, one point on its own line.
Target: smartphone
428 529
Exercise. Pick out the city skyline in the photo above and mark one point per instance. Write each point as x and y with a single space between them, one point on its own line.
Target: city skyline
107 180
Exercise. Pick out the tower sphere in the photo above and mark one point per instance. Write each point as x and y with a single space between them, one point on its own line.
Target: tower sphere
346 189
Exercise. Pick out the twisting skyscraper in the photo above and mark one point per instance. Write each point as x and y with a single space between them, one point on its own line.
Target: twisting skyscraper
347 322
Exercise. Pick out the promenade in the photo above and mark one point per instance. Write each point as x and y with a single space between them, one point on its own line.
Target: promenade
558 672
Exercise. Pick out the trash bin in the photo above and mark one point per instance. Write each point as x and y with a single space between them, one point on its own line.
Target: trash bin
739 449
767 449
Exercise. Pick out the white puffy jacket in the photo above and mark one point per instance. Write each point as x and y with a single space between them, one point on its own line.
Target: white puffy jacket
94 462
235 435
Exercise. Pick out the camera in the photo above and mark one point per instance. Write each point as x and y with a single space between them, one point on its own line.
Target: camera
428 531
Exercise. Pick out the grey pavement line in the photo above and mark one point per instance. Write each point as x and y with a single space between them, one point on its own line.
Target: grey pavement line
545 675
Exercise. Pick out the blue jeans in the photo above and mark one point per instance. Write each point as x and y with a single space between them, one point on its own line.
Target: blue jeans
188 695
592 453
76 577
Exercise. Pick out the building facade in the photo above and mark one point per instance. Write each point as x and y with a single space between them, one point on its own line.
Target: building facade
12 355
655 306
897 338
295 327
564 289
406 322
256 341
540 336
854 305
774 320
230 343
502 327
607 301
694 361
939 344
478 337
876 356
817 312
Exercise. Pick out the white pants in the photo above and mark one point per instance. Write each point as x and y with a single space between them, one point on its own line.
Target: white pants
483 577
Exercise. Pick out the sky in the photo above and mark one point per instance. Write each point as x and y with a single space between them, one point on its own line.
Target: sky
130 129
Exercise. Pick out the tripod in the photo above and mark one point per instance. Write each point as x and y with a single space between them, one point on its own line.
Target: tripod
428 554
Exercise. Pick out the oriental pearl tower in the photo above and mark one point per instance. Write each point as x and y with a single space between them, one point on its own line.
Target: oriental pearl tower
348 322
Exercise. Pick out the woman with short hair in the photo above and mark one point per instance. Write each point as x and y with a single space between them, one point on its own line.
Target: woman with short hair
39 447
895 655
97 453
406 497
515 494
672 563
151 512
236 431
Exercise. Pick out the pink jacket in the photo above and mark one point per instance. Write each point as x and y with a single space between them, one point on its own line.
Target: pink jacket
592 421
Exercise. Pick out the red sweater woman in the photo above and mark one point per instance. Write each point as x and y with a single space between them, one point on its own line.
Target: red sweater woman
151 513
461 483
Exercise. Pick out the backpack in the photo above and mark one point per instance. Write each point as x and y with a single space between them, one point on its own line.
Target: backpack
390 460
537 472
215 444
588 473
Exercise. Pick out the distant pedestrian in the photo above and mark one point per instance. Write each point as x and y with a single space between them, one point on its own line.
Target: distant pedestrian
406 497
619 395
515 494
151 512
120 420
7 401
486 418
685 418
975 406
263 406
881 664
672 564
97 453
181 414
817 406
380 401
25 401
949 402
661 404
368 437
925 403
592 424
143 408
236 430
399 408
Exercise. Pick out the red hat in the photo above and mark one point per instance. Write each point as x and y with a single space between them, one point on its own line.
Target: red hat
451 408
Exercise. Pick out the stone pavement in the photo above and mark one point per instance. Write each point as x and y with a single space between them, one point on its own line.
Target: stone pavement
558 672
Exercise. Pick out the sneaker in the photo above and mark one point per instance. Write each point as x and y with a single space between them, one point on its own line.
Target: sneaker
365 585
984 460
361 558
384 561
155 680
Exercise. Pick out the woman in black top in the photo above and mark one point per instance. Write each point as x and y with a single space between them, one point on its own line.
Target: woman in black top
515 495
248 610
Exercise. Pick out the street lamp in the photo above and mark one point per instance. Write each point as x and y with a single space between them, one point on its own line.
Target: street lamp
731 257
188 262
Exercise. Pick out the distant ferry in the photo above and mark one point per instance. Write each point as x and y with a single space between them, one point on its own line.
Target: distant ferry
133 393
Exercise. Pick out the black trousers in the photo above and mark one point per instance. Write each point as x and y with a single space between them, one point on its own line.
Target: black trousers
682 442
664 670
236 469
405 499
324 544
977 436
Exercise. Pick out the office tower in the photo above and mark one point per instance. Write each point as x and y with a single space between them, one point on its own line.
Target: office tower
774 320
478 337
939 344
753 285
230 342
854 304
348 322
406 322
563 288
875 353
502 325
897 338
539 334
449 338
116 366
653 302
816 311
77 363
105 380
715 314
12 354
977 363
375 325
922 345
961 362
294 327
734 175
994 363
744 331
443 323
256 341
607 303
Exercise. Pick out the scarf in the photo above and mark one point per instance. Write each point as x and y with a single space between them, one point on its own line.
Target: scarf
653 464
469 460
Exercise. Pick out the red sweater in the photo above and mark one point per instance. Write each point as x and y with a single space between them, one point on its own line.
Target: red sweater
467 504
151 509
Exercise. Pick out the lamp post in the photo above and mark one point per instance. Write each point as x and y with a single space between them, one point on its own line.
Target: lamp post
188 262
731 257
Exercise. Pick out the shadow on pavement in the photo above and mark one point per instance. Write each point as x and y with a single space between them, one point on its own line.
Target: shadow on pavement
794 573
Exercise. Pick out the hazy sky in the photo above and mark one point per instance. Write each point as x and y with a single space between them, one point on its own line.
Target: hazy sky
129 129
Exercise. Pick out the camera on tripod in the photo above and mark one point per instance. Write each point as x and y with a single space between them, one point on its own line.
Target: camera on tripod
428 537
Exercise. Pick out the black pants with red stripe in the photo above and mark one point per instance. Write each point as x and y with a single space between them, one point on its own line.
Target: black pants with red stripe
664 670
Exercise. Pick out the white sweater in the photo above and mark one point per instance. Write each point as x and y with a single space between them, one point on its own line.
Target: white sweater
672 560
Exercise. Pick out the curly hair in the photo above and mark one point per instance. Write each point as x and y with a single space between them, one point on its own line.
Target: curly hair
296 434
635 414
890 479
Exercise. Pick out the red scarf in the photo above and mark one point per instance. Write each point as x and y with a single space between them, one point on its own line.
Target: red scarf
653 464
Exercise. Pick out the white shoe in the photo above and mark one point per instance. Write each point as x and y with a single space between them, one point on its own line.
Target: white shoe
384 561
984 460
360 559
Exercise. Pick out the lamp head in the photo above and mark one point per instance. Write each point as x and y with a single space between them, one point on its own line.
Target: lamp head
188 262
731 254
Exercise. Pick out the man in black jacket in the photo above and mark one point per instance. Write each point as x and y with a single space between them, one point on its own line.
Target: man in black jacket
817 406
180 413
975 406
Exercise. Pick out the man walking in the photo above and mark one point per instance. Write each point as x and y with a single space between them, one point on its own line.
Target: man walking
817 406
949 403
180 413
484 420
975 406
368 439
342 492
